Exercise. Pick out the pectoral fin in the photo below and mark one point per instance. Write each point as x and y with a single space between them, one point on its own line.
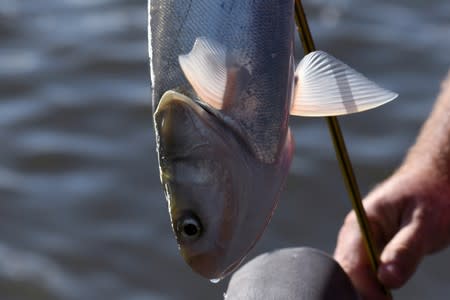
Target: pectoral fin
326 86
214 73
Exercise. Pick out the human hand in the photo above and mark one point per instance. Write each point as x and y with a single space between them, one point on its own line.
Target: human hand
409 216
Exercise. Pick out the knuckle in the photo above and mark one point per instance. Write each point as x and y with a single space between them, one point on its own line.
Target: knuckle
350 219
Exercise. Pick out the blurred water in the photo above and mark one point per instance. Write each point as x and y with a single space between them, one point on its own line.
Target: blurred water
82 214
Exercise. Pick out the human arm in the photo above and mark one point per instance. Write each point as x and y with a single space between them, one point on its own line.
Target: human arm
409 212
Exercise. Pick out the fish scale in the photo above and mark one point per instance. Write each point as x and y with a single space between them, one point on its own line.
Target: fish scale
258 38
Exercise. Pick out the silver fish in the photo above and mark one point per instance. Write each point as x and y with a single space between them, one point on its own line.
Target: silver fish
223 81
222 170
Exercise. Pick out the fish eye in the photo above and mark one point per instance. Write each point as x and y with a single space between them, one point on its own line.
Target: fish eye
189 228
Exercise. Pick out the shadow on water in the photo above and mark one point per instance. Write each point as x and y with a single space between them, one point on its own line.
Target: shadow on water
82 214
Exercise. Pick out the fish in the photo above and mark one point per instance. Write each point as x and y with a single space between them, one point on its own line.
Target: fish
224 84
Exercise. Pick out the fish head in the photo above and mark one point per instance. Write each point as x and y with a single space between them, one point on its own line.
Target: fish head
218 193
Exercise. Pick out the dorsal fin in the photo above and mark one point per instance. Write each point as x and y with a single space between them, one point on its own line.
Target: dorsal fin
214 73
325 86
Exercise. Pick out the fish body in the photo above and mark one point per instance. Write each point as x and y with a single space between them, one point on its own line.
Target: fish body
258 33
223 87
222 169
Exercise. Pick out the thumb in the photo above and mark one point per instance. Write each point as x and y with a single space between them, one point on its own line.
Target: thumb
401 256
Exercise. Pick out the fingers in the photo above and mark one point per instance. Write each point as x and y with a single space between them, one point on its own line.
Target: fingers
351 255
391 221
399 259
402 255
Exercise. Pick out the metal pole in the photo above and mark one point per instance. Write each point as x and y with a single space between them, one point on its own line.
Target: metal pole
341 153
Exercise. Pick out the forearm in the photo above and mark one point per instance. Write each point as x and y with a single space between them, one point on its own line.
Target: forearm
432 148
428 164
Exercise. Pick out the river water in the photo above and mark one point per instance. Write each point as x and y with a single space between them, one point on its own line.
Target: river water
82 213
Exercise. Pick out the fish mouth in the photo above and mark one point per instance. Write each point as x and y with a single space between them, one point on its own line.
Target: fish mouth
180 126
171 97
217 121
